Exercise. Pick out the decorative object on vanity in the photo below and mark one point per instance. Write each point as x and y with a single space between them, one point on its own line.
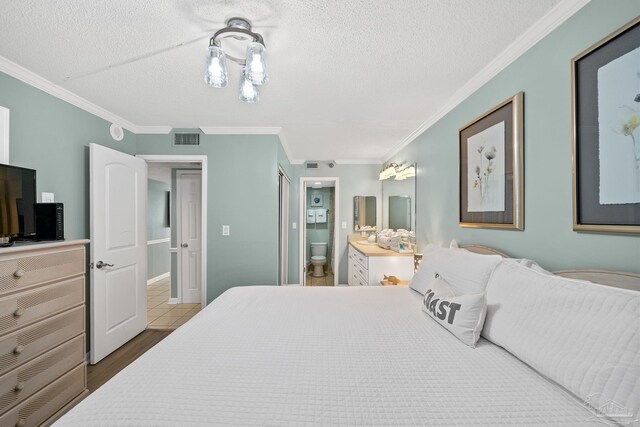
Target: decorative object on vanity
490 168
254 68
606 134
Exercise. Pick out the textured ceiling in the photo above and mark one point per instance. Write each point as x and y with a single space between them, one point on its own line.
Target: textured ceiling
348 79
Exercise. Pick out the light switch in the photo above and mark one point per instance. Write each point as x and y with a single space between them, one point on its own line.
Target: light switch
47 197
294 225
225 230
344 225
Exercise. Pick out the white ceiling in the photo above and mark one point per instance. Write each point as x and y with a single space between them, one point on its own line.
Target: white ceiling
349 80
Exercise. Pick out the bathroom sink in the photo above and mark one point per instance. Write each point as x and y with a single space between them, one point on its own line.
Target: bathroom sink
366 242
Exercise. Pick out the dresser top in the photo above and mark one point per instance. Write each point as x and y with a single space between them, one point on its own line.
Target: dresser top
35 246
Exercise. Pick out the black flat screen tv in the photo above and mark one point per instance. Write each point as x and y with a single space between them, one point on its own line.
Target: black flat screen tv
17 200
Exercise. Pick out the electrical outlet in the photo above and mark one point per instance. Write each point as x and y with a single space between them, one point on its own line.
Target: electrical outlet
226 230
294 225
344 225
47 197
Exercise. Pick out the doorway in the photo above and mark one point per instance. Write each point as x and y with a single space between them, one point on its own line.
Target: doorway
283 228
319 237
181 292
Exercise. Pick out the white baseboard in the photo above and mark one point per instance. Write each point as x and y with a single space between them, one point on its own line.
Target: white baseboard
158 278
173 301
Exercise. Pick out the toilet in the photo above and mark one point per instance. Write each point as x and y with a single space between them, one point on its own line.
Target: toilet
318 258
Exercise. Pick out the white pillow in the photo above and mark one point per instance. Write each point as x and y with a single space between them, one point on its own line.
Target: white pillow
582 335
461 315
466 272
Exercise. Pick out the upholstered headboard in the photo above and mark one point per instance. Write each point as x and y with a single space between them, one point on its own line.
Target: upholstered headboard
617 279
484 250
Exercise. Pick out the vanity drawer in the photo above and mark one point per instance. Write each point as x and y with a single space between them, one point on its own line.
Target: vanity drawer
27 343
24 381
357 269
356 280
21 272
42 405
21 309
360 258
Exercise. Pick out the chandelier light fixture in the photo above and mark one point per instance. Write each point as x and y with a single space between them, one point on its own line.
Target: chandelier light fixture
254 67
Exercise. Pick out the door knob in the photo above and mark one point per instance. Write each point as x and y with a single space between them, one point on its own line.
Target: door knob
101 264
185 245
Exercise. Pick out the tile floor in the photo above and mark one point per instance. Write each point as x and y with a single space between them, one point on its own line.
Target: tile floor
327 280
161 315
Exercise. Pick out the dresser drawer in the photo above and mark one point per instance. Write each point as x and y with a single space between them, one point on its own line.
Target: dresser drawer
42 405
17 310
24 381
21 272
27 343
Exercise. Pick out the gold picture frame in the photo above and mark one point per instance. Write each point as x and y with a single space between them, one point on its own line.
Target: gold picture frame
503 124
595 207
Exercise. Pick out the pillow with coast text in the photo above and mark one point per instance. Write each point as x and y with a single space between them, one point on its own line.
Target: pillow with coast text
462 315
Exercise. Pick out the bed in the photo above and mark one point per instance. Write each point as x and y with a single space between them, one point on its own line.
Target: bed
264 355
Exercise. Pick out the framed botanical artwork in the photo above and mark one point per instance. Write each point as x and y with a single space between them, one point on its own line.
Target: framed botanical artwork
606 134
490 168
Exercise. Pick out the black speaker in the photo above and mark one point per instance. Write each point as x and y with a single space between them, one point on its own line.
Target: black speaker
49 221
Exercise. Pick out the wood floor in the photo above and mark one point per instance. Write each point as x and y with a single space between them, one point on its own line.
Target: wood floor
101 372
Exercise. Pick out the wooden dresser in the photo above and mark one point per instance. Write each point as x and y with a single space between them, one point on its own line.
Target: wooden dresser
42 331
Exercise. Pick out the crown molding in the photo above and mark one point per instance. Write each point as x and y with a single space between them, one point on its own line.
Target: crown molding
156 130
540 29
377 162
240 130
17 71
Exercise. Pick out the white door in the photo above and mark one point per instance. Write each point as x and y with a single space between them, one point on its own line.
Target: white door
190 234
118 203
284 229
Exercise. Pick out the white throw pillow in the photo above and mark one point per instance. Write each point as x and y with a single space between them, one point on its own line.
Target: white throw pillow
461 315
582 335
466 272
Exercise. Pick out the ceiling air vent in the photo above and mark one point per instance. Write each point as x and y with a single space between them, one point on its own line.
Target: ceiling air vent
186 139
311 165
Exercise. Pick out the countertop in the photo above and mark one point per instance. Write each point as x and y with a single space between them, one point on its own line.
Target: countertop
372 250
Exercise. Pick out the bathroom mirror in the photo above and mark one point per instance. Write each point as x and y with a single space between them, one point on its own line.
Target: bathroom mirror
400 212
399 203
364 211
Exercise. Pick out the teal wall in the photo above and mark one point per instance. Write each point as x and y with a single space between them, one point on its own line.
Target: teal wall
158 259
242 193
543 73
355 180
52 136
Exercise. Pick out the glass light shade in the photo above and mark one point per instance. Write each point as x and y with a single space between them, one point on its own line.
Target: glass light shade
248 91
256 63
216 67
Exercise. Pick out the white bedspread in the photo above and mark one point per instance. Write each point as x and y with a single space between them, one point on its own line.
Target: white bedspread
323 356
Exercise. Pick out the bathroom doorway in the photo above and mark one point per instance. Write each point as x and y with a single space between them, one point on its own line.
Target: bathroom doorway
319 219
